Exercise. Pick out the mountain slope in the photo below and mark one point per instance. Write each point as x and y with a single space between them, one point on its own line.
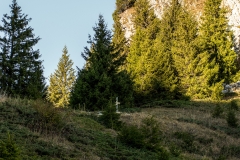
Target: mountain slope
188 131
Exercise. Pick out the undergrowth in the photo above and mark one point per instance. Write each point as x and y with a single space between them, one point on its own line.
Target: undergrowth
171 130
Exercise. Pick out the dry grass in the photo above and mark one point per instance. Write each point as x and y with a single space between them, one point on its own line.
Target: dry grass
82 136
3 96
210 134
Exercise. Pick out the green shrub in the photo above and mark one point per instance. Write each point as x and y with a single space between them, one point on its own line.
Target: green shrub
152 133
187 139
132 136
175 150
8 149
231 119
148 136
234 105
48 117
218 111
231 151
110 118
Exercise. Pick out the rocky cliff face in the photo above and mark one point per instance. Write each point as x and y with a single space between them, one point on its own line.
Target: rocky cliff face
195 6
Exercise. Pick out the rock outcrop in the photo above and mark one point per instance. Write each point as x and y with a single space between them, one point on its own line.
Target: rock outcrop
195 6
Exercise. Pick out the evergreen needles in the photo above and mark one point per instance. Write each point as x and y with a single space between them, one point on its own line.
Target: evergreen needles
20 67
61 81
9 149
102 77
216 58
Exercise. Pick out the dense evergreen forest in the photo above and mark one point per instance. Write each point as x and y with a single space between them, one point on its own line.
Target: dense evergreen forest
175 57
168 77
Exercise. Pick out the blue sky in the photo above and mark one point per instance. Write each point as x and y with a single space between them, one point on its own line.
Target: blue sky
59 23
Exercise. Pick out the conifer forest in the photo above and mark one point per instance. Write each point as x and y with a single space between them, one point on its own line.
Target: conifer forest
169 91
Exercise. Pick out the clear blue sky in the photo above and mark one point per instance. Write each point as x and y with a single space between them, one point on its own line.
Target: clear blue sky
62 22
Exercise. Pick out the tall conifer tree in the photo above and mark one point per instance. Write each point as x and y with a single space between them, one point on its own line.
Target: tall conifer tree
124 87
141 55
217 57
166 72
61 81
119 41
21 69
183 47
100 81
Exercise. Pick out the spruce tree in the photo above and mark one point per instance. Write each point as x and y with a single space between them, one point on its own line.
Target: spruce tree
139 64
141 54
61 81
145 19
118 39
183 46
124 87
21 69
166 72
100 81
216 55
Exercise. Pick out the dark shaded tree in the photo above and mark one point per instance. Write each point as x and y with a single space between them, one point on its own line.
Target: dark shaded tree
101 79
118 39
21 69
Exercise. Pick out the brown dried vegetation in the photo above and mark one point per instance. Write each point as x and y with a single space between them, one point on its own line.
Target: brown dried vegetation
191 128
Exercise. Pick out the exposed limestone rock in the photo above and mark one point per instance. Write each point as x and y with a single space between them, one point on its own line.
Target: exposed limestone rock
195 6
127 23
234 16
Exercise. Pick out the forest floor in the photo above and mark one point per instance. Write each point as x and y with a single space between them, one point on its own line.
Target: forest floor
189 131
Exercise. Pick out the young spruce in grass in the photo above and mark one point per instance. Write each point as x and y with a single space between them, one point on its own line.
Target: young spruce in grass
8 149
146 136
110 118
234 105
231 116
218 111
231 119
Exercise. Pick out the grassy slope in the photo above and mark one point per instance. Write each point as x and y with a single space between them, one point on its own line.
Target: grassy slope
189 132
189 128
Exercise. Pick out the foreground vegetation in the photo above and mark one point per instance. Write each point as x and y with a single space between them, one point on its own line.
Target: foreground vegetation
185 130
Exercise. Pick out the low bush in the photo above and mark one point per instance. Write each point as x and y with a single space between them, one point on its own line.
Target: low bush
9 149
218 111
132 136
148 136
152 133
110 118
48 117
187 140
175 150
231 119
234 105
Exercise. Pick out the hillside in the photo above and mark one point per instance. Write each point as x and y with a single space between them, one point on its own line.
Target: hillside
188 131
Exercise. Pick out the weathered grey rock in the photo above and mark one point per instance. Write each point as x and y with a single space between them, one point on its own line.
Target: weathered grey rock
195 6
